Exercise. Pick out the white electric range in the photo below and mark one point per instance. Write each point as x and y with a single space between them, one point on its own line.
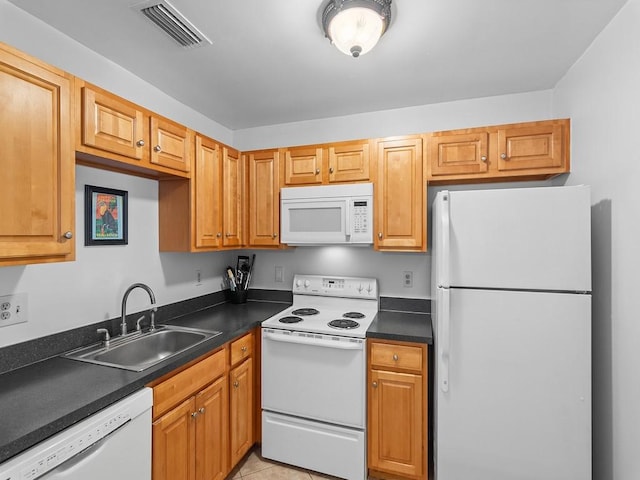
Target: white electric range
314 374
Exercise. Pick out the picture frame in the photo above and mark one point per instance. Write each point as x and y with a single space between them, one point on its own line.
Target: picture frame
105 216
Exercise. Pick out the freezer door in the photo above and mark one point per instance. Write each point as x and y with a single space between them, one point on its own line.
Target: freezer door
525 238
518 402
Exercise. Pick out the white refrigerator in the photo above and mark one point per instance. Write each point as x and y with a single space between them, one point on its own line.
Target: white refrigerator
511 285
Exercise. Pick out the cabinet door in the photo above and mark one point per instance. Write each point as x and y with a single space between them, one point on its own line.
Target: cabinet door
303 166
264 198
241 409
112 125
207 184
233 195
458 154
349 162
174 443
212 427
532 147
397 423
400 195
37 163
170 144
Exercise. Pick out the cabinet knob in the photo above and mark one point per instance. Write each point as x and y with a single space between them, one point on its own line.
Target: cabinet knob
201 410
374 384
236 384
194 414
228 235
483 158
157 148
218 234
317 171
395 357
380 235
68 235
243 349
140 143
330 169
275 235
503 156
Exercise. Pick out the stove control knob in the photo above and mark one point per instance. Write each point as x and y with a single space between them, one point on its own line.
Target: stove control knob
298 283
307 283
360 288
369 289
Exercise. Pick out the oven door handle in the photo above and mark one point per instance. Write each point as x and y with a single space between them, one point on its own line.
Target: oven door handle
317 342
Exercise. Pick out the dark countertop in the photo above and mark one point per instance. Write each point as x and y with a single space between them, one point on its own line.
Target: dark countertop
42 399
403 326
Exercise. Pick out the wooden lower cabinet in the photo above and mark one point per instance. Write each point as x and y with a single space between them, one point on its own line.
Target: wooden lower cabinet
174 444
212 425
397 410
241 403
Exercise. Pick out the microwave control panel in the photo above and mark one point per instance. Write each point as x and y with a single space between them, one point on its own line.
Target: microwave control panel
361 220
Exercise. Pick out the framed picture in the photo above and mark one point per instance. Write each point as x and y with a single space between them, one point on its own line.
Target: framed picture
105 216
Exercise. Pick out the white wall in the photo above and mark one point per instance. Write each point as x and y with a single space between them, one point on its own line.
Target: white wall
601 93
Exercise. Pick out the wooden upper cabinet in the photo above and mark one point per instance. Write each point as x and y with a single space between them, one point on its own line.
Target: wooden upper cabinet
527 151
543 145
171 144
233 195
207 194
349 162
303 165
36 161
112 124
264 198
458 154
400 195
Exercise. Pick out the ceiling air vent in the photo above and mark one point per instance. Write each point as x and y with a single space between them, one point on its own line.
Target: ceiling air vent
173 23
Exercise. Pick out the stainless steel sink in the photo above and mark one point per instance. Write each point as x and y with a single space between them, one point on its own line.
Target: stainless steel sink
139 351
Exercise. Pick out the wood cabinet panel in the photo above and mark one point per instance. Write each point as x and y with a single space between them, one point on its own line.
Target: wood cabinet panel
36 160
532 147
174 438
171 144
113 125
397 433
187 382
212 428
241 409
349 162
458 154
303 165
207 194
242 348
233 195
394 356
400 192
264 198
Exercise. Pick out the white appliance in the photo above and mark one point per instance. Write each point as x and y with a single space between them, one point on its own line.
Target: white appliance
314 374
113 443
511 285
327 214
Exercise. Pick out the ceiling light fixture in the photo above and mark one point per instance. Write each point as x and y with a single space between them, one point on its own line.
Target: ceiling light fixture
355 26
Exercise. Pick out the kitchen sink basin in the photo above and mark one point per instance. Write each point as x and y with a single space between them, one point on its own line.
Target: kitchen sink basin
139 351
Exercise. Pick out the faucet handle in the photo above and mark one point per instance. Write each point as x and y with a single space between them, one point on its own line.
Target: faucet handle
107 337
138 327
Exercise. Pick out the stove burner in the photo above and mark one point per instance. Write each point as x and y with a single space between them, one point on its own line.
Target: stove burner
290 319
343 323
305 311
353 315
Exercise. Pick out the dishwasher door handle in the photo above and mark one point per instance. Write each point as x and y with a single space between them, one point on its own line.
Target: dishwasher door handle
316 342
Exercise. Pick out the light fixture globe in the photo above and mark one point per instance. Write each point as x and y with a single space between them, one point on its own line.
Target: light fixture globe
355 26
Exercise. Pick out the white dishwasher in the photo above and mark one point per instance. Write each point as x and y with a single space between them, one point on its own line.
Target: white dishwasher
113 443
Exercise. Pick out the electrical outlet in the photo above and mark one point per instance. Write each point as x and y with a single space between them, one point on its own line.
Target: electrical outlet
407 279
198 278
13 309
279 274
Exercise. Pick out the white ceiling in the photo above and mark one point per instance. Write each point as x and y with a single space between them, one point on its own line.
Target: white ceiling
270 63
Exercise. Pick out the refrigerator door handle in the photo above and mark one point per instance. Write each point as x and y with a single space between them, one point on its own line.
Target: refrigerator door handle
444 340
445 239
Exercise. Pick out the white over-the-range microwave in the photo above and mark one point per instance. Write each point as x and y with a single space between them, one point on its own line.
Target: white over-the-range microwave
327 215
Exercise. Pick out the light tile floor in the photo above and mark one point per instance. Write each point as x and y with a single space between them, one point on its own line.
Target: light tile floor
254 467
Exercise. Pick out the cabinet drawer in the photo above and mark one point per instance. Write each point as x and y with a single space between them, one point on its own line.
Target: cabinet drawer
186 383
242 348
405 357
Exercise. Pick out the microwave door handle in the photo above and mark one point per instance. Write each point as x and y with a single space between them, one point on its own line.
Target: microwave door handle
347 218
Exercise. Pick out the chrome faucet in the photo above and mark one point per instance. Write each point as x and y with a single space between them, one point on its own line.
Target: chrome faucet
153 309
